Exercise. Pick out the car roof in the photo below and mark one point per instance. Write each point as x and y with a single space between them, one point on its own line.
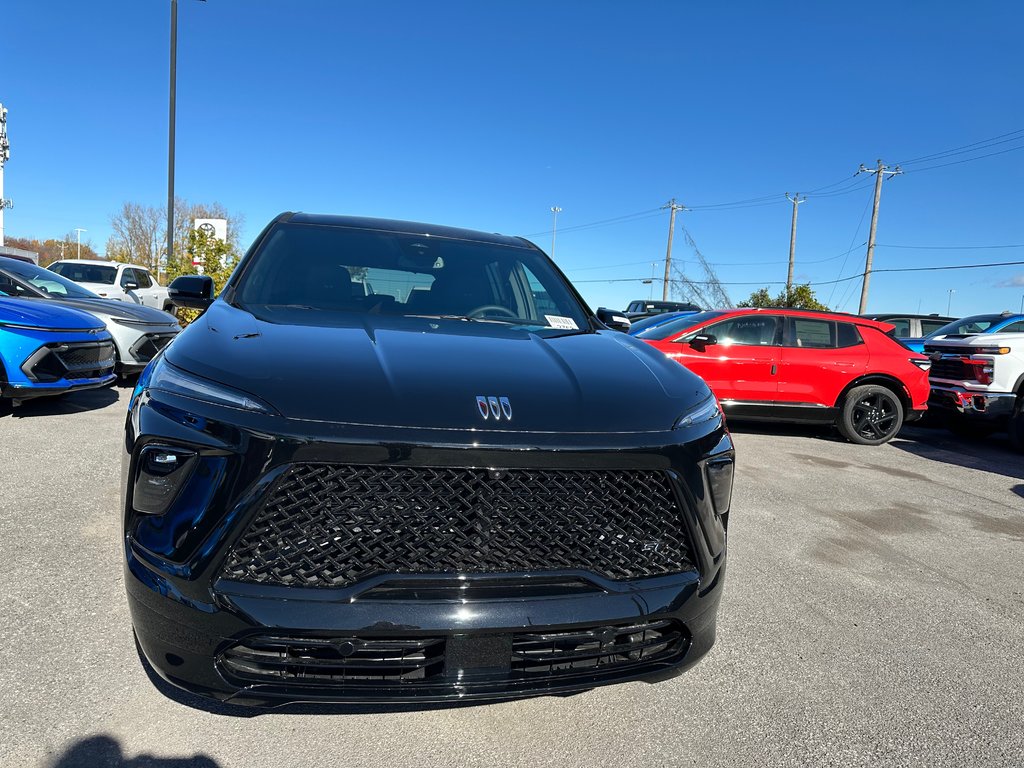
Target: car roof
99 263
406 227
816 313
909 315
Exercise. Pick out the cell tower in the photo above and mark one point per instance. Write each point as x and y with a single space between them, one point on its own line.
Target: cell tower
5 155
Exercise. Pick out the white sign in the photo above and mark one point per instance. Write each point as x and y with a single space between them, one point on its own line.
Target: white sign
215 228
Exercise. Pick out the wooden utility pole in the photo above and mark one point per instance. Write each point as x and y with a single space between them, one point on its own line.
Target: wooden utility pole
881 171
673 206
796 200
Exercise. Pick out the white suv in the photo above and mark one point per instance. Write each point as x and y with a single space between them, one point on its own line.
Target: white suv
113 280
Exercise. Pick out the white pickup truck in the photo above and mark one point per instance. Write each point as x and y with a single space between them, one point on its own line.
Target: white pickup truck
978 381
114 280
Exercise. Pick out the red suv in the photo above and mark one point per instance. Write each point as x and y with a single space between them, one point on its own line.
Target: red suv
799 365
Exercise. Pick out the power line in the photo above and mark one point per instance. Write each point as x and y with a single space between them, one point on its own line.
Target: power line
943 268
950 247
966 147
966 160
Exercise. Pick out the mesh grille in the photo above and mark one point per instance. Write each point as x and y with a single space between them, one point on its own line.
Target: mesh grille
89 356
953 369
327 525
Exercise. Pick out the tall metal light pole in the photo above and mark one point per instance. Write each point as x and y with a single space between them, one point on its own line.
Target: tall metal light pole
79 230
170 128
949 301
555 210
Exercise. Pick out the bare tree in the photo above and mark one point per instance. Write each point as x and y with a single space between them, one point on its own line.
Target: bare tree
138 235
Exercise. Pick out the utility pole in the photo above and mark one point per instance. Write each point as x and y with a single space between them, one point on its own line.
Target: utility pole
555 210
949 301
881 171
5 154
79 230
673 206
796 200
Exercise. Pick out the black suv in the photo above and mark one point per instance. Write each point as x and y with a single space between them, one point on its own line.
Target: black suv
399 461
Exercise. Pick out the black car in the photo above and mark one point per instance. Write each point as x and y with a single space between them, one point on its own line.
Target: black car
376 469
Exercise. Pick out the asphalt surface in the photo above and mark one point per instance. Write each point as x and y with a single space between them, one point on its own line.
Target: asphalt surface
873 616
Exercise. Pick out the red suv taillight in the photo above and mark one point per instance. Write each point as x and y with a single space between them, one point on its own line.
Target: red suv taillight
922 362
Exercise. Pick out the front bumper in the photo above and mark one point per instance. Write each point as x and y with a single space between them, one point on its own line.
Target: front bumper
979 406
461 636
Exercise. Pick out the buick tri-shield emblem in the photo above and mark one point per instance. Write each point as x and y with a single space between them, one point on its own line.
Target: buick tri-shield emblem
492 407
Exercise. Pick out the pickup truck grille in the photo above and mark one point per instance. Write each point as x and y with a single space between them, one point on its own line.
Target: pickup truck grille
954 369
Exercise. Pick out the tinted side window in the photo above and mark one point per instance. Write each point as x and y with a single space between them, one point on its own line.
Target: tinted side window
930 326
1017 327
128 276
143 278
813 334
749 330
848 335
902 326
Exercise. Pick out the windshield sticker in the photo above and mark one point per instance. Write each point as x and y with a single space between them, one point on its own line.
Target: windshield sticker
563 323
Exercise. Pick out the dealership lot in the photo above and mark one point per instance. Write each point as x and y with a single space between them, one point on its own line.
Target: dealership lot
874 615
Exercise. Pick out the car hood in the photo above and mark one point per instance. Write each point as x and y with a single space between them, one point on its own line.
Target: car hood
428 373
45 314
122 310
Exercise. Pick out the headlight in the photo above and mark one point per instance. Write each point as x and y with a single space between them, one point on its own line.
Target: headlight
167 378
705 411
135 323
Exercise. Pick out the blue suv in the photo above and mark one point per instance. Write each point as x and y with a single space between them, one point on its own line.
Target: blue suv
49 350
1005 322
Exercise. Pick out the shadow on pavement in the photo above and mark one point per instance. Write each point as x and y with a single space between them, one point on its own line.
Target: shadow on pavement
810 431
105 752
72 402
988 454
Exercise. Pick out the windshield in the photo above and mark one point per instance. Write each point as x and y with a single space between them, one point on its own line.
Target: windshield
86 273
967 326
344 271
677 326
43 280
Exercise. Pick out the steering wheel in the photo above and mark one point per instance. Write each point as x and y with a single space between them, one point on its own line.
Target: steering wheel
483 309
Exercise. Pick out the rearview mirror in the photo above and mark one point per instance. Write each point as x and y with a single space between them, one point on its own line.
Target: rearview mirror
703 340
191 291
613 319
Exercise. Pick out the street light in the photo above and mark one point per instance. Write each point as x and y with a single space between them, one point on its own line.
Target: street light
555 210
949 302
79 230
170 127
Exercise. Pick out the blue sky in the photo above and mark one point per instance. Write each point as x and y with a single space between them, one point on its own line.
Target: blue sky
484 115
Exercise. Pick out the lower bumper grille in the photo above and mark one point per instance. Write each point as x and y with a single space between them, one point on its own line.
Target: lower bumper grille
329 525
75 360
147 346
365 663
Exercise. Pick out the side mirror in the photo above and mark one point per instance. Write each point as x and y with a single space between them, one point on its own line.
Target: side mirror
131 285
613 319
191 291
702 340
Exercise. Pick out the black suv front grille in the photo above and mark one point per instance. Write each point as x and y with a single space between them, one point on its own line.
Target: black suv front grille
357 662
331 525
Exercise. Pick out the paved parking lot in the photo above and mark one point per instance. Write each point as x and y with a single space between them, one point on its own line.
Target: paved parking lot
873 616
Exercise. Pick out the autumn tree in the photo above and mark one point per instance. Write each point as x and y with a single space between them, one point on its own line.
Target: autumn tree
795 297
140 233
53 249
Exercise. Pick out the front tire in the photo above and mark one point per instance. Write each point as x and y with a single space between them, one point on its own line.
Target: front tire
870 415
